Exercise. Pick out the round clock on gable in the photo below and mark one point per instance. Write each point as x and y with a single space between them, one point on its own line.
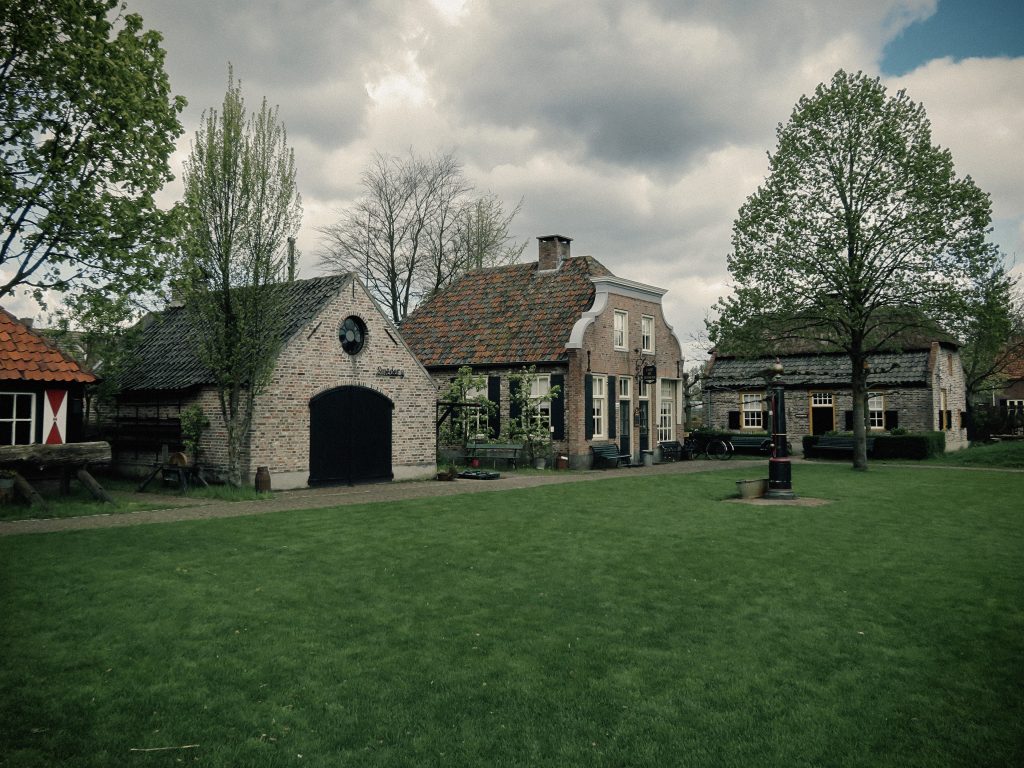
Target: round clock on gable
352 334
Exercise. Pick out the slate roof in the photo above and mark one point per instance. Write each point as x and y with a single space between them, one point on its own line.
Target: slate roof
26 356
164 357
503 315
887 369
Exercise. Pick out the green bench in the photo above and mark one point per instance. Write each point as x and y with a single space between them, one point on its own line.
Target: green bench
608 456
494 451
829 444
673 450
760 443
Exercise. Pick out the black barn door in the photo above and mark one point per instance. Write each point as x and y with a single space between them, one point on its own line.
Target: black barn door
349 436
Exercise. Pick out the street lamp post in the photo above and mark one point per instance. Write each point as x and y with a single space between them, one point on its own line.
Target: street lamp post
780 474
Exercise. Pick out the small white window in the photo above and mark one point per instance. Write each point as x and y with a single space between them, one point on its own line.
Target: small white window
540 387
17 418
647 333
819 399
876 411
621 334
753 416
598 407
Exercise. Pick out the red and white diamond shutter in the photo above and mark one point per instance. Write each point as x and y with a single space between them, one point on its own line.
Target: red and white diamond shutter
55 416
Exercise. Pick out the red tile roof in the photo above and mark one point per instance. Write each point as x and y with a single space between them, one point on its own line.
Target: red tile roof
25 356
512 314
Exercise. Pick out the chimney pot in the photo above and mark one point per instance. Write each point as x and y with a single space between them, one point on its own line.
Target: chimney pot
552 251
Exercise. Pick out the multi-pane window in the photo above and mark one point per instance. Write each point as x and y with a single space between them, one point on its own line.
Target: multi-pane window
621 334
478 417
647 333
819 399
17 418
667 410
876 411
625 387
599 409
753 417
540 388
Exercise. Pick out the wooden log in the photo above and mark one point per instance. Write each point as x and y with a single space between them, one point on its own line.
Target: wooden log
95 488
31 494
48 455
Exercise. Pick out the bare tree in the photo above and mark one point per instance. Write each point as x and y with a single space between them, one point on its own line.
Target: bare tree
241 208
416 228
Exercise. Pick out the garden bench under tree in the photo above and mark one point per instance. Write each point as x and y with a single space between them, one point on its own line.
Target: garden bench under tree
829 444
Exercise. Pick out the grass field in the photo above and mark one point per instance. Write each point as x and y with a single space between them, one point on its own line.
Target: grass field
636 622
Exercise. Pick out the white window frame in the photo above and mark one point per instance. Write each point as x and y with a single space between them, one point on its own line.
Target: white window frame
876 411
540 391
752 410
14 419
480 420
647 334
620 331
667 408
822 400
599 404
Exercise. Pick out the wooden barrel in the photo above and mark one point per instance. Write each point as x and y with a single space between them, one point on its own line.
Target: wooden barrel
263 480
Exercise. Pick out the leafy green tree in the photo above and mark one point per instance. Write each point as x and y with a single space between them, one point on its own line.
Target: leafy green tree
530 427
466 387
87 123
241 206
861 232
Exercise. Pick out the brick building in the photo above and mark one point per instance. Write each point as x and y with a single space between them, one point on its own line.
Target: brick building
586 331
347 402
918 386
41 388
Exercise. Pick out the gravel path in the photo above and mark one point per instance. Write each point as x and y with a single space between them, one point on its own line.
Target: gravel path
315 498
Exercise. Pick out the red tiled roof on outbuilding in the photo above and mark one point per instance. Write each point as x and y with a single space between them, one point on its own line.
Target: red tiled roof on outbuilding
26 356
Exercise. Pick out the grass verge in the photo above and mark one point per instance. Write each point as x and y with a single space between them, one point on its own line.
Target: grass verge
639 621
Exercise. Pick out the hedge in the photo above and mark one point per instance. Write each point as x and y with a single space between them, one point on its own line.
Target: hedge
920 445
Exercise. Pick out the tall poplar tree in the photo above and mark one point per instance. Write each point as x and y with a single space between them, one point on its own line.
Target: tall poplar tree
861 232
241 206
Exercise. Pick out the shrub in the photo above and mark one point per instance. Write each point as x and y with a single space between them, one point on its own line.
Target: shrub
922 445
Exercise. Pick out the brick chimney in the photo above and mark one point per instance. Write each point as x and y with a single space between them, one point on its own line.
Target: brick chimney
553 250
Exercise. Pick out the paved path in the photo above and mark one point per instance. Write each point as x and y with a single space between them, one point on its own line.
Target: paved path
314 498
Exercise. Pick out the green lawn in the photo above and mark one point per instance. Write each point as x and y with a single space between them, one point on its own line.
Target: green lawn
641 621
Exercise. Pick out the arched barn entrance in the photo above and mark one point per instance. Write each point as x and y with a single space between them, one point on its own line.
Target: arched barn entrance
349 436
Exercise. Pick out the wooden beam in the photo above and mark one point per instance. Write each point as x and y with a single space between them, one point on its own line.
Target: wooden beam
31 494
48 455
95 488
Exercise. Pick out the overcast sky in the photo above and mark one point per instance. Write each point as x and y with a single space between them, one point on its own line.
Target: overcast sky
636 128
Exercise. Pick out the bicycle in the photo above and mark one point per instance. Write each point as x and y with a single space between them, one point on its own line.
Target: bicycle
711 447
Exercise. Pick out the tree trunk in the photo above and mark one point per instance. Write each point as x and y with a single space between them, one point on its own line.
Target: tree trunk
859 381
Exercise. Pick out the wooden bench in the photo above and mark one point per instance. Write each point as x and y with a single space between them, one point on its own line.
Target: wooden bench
673 450
838 444
608 456
761 443
494 451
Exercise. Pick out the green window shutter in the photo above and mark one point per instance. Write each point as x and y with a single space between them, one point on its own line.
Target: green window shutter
734 420
611 407
514 411
558 408
494 395
849 421
892 419
588 406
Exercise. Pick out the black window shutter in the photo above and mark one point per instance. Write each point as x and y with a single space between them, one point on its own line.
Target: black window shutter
892 419
849 421
494 395
558 407
588 406
734 419
611 407
949 419
940 419
514 411
1003 406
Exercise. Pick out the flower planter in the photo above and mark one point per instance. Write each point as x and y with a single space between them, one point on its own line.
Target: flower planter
751 489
